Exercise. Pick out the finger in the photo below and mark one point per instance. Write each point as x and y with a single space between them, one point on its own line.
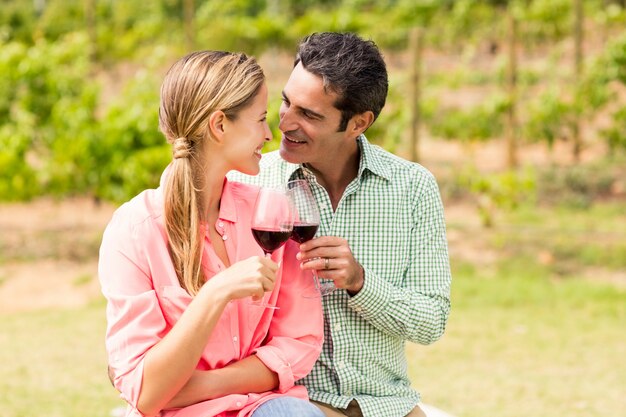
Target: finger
269 263
268 285
257 296
320 264
322 241
320 252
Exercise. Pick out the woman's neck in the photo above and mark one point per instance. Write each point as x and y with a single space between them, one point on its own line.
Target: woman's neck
214 176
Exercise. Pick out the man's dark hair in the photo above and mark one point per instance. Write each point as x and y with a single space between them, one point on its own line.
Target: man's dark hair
351 67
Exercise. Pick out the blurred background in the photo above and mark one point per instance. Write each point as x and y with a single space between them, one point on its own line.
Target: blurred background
518 108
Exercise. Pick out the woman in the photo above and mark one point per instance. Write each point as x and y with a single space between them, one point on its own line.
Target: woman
178 265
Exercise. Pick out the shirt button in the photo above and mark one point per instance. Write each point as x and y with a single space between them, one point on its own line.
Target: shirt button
341 365
347 392
337 327
358 309
235 338
221 224
224 237
238 404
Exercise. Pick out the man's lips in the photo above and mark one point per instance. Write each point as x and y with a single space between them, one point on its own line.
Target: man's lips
293 140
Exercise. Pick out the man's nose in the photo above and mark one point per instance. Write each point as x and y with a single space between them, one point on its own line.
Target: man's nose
286 122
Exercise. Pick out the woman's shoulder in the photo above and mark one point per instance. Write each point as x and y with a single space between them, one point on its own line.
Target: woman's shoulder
243 191
143 210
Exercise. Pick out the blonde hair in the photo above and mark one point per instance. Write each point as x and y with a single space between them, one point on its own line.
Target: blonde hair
194 87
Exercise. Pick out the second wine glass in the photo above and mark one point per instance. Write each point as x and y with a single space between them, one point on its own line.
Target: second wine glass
305 226
272 221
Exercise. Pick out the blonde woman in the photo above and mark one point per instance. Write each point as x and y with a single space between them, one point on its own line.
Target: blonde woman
178 265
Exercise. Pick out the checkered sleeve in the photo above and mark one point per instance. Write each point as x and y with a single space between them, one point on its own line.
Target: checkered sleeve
418 309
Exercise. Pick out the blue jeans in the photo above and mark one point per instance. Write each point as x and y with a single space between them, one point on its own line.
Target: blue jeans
287 407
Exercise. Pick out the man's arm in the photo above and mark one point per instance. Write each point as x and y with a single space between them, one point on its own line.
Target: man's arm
418 309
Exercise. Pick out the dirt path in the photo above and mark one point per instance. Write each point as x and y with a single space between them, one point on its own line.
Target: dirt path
48 253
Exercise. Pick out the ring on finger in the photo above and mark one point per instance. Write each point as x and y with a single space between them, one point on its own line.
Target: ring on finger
326 263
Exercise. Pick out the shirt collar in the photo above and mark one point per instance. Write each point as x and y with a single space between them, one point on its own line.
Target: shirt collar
370 161
228 205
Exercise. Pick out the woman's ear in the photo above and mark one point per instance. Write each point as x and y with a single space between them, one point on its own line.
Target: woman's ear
359 123
217 128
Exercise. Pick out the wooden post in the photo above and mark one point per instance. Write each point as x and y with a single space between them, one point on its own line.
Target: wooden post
511 81
188 15
416 46
92 31
578 69
39 6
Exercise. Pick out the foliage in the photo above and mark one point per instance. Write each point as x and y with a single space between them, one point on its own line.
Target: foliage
58 135
580 186
130 150
481 122
546 20
615 135
498 192
550 117
41 87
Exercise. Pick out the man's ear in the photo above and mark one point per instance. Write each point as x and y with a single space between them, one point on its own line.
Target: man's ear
217 125
360 122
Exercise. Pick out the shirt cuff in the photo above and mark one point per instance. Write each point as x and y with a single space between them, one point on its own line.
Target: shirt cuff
275 361
373 297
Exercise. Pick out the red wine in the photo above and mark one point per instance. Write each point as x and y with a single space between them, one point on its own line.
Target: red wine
303 232
270 239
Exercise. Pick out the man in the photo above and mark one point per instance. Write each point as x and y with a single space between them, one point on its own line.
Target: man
382 236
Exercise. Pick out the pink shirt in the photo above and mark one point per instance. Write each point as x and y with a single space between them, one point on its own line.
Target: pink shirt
145 300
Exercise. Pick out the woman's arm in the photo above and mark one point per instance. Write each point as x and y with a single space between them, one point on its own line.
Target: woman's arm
293 344
169 365
245 376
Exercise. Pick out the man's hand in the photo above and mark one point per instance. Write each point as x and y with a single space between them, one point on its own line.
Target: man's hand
332 258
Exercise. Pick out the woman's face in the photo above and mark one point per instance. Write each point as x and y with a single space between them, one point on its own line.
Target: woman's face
246 135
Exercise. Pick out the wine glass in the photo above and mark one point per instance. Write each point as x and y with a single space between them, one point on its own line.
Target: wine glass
272 222
305 226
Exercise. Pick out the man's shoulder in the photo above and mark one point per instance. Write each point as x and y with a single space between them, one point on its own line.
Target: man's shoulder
272 160
399 167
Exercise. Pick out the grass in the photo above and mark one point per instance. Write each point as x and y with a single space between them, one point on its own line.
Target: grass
52 363
530 335
524 337
520 343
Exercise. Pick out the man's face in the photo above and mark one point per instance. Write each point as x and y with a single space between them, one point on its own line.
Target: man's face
309 120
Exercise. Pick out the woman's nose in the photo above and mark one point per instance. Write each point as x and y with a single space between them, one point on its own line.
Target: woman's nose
268 132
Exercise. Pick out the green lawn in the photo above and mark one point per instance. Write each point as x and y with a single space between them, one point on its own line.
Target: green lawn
52 363
520 343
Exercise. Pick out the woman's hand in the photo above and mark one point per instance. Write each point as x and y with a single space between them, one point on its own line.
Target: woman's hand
251 277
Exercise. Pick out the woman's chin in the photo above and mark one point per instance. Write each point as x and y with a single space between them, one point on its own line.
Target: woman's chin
250 170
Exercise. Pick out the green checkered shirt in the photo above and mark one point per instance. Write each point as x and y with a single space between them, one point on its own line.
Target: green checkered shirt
392 216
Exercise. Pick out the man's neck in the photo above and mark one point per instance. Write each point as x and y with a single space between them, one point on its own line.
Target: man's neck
336 174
